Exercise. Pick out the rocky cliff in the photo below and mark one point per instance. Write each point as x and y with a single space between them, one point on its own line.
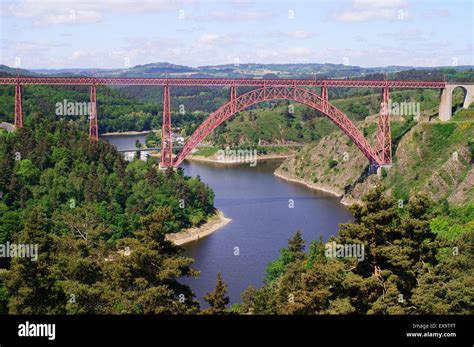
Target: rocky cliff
430 157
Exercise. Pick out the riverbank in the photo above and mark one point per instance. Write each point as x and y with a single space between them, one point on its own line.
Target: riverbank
193 234
125 133
217 161
314 186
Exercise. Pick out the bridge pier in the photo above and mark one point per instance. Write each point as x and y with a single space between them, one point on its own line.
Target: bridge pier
469 99
233 96
324 96
166 140
18 123
384 137
446 102
93 125
381 167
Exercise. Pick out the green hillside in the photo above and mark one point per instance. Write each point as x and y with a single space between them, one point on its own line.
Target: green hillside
432 157
435 158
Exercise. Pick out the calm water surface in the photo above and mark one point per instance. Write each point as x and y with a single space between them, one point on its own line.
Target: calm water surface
262 221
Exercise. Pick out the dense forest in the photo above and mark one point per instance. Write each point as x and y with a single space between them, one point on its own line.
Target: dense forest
87 209
418 260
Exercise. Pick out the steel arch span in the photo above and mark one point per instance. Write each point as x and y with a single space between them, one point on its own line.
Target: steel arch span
293 93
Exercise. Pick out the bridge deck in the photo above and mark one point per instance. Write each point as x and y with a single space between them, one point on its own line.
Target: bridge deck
247 82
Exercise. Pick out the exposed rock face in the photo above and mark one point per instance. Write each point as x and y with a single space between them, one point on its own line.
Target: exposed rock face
433 158
449 177
333 164
464 192
359 189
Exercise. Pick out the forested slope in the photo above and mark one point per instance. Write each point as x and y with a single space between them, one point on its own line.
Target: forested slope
98 222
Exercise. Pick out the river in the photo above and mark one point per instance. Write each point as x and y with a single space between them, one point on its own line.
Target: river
259 204
124 142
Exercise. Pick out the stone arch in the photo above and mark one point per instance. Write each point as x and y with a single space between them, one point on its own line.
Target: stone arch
446 103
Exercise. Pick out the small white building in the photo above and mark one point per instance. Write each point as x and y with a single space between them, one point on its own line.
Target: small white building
143 155
129 156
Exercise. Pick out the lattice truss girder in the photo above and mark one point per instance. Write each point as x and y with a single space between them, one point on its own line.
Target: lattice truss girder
272 93
166 141
18 117
93 124
384 139
239 82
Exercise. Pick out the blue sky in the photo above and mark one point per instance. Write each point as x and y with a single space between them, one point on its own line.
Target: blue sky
119 34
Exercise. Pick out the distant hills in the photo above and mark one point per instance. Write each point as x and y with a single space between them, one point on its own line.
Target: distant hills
6 70
163 69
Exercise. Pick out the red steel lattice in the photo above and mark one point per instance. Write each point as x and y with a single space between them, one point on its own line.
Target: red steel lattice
267 89
93 126
238 82
18 123
166 141
384 139
272 93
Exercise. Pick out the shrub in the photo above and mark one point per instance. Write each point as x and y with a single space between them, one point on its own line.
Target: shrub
470 144
332 163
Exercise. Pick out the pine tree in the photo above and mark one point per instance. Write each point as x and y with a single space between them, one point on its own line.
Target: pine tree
31 288
448 287
143 275
218 299
296 245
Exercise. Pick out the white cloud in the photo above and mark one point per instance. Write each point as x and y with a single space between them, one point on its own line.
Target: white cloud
379 3
30 47
266 54
298 34
365 15
220 15
278 35
245 33
52 12
78 55
299 52
152 49
406 34
73 17
208 38
367 10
